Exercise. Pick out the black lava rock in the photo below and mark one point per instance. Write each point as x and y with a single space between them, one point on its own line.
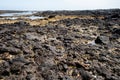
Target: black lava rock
102 40
116 31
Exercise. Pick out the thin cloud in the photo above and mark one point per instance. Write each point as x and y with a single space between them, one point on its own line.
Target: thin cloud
58 4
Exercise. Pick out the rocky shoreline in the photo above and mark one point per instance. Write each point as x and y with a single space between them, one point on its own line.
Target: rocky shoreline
67 45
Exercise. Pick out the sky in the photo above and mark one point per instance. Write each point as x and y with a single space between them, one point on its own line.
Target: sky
43 5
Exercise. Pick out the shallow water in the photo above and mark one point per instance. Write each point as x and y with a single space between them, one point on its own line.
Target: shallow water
17 14
14 16
35 17
30 17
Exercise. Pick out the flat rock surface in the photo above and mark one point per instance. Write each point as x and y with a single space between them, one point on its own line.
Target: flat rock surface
76 45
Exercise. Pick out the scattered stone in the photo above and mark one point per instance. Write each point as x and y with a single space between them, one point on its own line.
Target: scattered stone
51 16
102 40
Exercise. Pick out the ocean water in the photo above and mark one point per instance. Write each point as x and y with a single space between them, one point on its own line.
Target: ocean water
13 16
17 14
35 17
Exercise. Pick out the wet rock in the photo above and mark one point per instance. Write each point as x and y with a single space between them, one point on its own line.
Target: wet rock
102 40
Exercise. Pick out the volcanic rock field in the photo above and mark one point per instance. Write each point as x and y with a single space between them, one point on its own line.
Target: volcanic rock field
60 45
